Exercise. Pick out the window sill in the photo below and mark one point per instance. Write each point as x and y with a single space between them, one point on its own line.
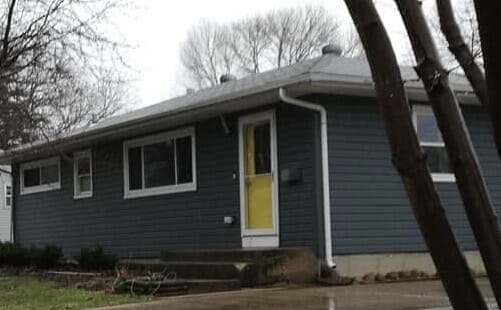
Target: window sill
443 177
191 187
82 196
39 189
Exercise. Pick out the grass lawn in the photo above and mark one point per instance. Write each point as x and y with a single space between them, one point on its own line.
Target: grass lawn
31 293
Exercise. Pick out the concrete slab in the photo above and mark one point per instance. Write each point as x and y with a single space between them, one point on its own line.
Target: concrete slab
357 265
390 296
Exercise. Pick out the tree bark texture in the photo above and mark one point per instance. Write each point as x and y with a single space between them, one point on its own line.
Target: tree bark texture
410 161
460 50
469 179
489 26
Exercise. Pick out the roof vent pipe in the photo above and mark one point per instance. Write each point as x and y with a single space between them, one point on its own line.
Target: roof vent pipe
226 78
332 49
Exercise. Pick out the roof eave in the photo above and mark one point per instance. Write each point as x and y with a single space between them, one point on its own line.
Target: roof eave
253 97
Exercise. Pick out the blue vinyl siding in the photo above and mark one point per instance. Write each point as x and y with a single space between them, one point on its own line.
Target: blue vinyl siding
144 226
370 212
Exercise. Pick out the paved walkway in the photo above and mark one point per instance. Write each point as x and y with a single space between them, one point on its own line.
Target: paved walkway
391 296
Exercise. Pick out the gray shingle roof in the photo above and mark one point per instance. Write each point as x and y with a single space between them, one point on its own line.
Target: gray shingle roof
332 66
326 68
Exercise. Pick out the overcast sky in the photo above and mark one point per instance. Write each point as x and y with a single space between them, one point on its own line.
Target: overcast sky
157 28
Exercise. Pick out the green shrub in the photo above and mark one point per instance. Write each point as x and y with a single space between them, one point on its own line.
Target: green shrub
45 257
13 255
95 258
16 255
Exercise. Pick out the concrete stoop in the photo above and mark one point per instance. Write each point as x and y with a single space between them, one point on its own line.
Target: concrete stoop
222 270
256 266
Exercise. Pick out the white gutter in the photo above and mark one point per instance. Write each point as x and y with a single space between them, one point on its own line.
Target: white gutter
325 169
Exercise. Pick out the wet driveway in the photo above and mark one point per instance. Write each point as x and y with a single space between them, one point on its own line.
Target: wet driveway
405 295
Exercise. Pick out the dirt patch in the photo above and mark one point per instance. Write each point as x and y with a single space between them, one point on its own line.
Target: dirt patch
395 276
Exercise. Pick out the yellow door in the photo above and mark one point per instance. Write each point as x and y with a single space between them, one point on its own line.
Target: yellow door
258 176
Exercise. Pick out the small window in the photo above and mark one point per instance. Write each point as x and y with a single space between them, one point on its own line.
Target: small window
40 176
8 196
82 171
433 145
160 164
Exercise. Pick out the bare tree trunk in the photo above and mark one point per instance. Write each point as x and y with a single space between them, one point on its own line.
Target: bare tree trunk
460 50
5 39
464 160
410 161
489 24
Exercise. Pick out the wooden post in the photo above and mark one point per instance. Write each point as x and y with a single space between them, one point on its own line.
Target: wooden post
469 179
410 161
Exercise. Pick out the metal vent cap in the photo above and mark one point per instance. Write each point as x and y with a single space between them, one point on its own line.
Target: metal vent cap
332 49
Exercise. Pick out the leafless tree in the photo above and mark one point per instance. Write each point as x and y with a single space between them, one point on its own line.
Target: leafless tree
462 52
410 161
489 23
249 40
55 67
466 18
206 53
299 34
352 45
259 43
462 155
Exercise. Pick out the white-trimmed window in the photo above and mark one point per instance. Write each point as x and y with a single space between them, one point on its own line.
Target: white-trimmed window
432 143
82 174
8 196
160 164
40 176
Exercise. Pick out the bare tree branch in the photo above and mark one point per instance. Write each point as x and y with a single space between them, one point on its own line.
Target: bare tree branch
410 161
57 58
460 50
5 47
259 43
465 164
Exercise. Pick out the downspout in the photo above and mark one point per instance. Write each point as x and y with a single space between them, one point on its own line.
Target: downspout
325 168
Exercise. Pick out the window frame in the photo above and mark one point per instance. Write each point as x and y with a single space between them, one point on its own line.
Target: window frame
152 139
42 187
76 176
439 177
11 196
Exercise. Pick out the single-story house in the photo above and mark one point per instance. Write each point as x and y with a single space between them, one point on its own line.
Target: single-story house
5 204
295 156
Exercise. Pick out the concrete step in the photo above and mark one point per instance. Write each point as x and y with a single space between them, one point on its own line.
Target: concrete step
253 267
178 286
186 270
212 285
230 255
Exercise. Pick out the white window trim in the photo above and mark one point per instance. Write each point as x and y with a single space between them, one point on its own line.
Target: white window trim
427 110
11 196
161 190
76 177
43 187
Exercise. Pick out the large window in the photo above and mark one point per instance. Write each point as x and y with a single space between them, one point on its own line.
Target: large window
82 171
432 143
8 196
160 164
40 176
